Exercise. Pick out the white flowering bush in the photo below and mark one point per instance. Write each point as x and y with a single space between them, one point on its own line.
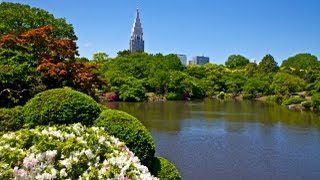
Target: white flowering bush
67 152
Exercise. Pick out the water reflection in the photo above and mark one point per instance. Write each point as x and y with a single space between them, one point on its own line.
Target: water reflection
168 116
233 140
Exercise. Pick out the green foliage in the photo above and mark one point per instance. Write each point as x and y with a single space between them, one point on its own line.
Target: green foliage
293 100
129 130
100 57
214 81
255 85
60 106
306 104
234 82
17 18
196 71
174 96
268 64
11 119
302 61
221 95
132 89
236 61
16 82
251 69
315 99
284 83
181 83
164 169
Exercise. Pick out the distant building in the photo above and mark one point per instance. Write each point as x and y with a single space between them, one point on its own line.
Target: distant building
183 58
136 39
190 62
200 60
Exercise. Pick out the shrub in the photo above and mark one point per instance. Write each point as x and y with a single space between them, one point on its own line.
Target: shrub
60 106
111 96
164 169
67 152
129 130
11 119
174 96
221 95
248 96
293 100
306 104
315 99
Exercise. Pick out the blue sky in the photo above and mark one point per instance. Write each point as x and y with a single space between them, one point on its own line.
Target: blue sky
214 28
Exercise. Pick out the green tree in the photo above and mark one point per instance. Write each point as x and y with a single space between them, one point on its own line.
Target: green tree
196 71
284 83
268 64
18 18
234 82
16 69
100 57
236 61
302 62
124 53
213 82
256 85
251 69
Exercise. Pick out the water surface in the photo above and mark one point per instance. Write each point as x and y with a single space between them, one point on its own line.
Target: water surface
233 140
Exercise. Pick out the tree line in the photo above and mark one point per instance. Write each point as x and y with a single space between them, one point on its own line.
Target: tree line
38 52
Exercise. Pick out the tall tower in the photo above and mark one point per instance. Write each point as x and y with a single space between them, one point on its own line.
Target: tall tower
136 39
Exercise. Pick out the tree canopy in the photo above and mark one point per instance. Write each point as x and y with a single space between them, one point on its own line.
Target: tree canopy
18 18
302 61
236 61
268 64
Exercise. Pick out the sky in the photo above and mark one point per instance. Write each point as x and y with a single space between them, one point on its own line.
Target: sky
213 28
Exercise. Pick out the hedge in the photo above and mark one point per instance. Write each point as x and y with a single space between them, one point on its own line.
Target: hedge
11 119
164 169
60 106
129 130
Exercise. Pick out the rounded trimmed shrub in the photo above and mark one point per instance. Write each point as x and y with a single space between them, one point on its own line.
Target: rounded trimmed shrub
129 130
11 119
60 106
67 152
164 169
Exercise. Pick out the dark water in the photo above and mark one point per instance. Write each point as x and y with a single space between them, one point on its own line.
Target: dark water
233 140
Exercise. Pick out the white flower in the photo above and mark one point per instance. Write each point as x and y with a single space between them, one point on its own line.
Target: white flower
29 162
20 173
66 163
50 155
63 173
101 139
89 154
44 132
44 176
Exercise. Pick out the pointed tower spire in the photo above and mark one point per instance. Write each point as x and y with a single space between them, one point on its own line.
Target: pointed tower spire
136 39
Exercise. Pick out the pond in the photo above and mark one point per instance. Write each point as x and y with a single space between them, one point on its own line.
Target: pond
213 139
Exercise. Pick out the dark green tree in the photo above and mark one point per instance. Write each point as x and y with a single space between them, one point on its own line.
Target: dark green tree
268 64
236 61
302 61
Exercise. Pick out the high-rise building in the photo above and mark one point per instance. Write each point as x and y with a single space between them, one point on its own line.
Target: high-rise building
136 39
200 60
183 58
